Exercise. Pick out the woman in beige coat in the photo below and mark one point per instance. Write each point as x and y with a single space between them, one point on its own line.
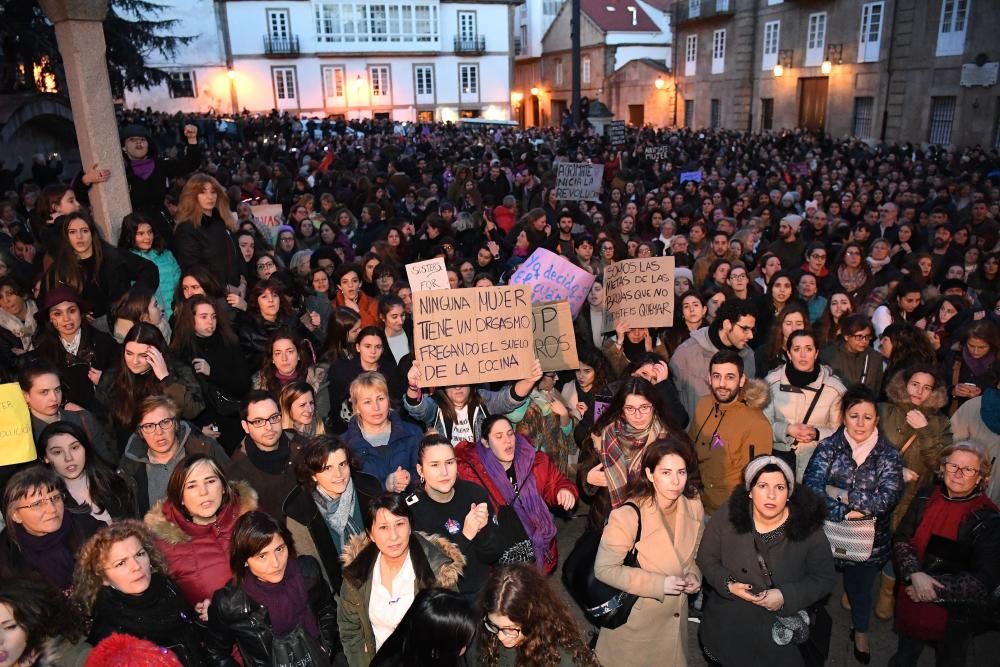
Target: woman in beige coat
666 494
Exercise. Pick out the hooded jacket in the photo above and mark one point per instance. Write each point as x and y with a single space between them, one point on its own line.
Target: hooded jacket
690 367
198 555
438 560
726 437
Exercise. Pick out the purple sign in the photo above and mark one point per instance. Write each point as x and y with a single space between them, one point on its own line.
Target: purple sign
554 278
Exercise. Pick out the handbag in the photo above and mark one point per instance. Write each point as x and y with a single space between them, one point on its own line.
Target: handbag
603 605
297 649
852 539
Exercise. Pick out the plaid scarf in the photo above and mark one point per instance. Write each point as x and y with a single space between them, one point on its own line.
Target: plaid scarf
621 453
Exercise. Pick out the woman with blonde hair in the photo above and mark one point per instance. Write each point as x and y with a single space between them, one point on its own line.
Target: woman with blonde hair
298 409
203 230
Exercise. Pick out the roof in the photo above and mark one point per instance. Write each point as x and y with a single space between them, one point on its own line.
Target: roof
616 16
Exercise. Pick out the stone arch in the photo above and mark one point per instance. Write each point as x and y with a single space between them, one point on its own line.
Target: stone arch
33 123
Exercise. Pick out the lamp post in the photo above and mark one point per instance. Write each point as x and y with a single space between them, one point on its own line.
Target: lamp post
784 62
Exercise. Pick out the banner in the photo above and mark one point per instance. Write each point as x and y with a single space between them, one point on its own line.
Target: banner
555 342
691 176
17 445
268 214
427 275
658 153
798 169
641 291
473 335
552 277
615 132
577 181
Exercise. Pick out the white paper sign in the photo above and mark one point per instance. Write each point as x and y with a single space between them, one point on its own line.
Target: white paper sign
427 275
576 181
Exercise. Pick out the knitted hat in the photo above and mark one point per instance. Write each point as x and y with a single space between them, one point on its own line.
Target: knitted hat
120 650
133 131
793 221
760 462
682 272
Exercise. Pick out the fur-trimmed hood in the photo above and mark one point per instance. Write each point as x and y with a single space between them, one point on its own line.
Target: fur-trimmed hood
443 556
755 393
172 532
896 392
806 512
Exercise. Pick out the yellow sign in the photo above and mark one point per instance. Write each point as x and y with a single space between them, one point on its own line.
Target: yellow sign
16 442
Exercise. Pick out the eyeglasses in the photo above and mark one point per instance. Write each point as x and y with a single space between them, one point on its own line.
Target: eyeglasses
861 338
967 471
259 421
643 409
509 632
162 425
737 276
852 253
745 328
819 255
55 499
265 265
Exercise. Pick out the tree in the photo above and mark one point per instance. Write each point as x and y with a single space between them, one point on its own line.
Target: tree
133 30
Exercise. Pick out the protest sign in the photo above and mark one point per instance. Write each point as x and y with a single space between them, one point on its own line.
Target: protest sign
554 278
555 342
691 176
577 181
17 445
798 169
427 275
615 132
641 291
657 152
473 335
267 214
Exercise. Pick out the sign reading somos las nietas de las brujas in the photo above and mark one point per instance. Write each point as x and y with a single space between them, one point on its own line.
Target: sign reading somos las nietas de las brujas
640 292
472 335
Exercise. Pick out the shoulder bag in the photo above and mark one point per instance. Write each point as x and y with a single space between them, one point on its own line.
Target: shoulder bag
851 539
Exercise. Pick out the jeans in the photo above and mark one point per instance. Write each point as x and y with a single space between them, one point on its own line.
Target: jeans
859 580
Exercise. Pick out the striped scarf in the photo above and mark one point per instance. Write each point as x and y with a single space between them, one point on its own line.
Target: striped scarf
621 454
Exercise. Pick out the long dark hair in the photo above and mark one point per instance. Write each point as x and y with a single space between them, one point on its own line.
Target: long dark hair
337 346
130 225
447 408
66 268
437 628
268 377
41 611
209 284
182 342
678 443
640 387
128 388
776 346
254 531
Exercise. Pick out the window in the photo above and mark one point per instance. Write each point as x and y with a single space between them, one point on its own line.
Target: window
559 72
722 5
425 79
716 113
774 2
767 113
816 39
284 82
689 113
181 84
718 51
770 56
388 21
951 32
585 69
425 116
278 24
469 79
870 38
864 108
467 26
379 77
942 117
690 55
333 81
523 46
694 9
377 23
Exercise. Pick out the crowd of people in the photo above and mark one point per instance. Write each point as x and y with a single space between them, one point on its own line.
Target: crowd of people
237 463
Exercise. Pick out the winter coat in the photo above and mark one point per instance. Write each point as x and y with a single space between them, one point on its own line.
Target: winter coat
337 394
367 308
873 488
979 419
13 563
119 271
101 442
656 631
954 360
922 456
97 350
209 245
854 368
434 559
169 272
689 367
198 555
236 618
254 331
801 567
726 437
147 194
493 403
380 462
310 532
789 406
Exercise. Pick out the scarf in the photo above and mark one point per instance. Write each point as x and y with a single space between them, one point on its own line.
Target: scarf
50 554
877 265
143 168
713 335
528 503
861 450
271 462
978 366
799 378
287 602
851 279
284 378
23 330
342 515
621 454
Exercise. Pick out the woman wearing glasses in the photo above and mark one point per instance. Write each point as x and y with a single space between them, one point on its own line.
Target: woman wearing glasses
947 552
42 538
525 622
852 275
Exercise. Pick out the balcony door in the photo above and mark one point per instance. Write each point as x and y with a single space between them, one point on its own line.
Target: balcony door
467 27
278 25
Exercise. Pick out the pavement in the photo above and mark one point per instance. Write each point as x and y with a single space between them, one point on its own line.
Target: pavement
984 653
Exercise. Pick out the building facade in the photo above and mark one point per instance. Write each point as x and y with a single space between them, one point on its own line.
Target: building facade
923 71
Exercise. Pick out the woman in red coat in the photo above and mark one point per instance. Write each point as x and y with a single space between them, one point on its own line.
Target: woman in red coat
522 484
194 524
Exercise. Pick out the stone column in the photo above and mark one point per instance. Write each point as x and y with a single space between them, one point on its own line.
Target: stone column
79 28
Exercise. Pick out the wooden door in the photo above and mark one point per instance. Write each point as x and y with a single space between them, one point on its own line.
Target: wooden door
812 102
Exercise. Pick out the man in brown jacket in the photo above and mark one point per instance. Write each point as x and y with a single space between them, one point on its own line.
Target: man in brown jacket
729 428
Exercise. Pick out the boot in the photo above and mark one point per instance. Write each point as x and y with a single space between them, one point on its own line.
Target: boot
886 602
844 602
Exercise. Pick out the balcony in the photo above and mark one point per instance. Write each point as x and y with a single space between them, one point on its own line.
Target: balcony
281 46
689 11
476 44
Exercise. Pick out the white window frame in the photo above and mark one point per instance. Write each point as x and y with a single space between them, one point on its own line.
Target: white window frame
952 27
691 55
559 72
279 24
351 21
285 85
870 33
468 79
380 82
772 41
721 5
719 51
816 39
467 26
694 9
423 80
334 78
585 69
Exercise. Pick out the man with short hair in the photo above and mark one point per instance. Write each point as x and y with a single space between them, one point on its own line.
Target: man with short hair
562 242
729 427
788 247
718 249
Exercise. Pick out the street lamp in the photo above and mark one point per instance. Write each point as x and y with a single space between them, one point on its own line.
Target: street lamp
660 83
534 91
834 55
784 62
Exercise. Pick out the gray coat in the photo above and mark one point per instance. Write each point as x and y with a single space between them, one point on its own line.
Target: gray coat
689 367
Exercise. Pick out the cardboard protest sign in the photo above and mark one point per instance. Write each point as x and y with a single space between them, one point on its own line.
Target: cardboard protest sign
472 335
615 132
267 214
641 291
691 176
554 278
577 181
555 342
657 152
427 275
17 445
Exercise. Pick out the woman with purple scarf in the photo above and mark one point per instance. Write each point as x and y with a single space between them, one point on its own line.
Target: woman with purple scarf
522 483
278 605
